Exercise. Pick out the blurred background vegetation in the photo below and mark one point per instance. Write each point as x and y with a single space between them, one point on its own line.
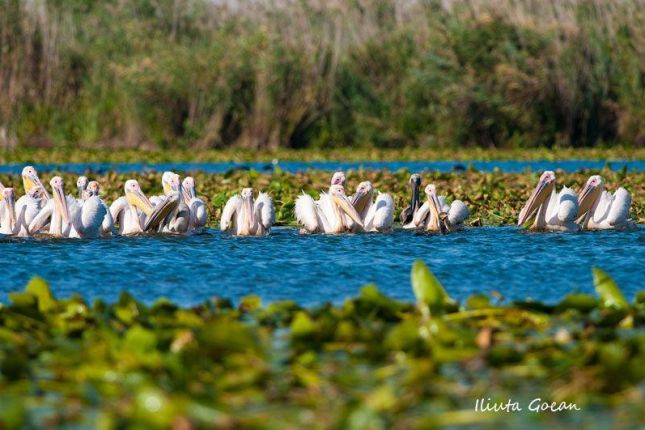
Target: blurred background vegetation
198 74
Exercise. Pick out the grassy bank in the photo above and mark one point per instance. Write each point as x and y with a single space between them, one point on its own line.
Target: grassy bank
199 74
493 198
370 363
86 154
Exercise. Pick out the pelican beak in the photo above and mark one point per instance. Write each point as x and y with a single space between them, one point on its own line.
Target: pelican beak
189 193
438 216
248 207
588 196
539 194
11 207
139 200
346 206
159 213
30 181
358 201
61 203
414 203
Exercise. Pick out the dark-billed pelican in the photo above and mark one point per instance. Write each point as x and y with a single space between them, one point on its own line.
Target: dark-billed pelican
198 211
552 211
436 215
602 210
376 215
328 216
408 213
242 217
134 213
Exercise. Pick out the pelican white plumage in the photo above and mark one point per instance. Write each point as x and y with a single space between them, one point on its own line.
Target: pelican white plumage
377 214
333 213
81 186
93 189
69 218
244 217
436 215
196 206
551 210
178 221
135 214
599 209
9 225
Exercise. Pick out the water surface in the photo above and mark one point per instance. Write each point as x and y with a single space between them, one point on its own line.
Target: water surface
314 268
509 166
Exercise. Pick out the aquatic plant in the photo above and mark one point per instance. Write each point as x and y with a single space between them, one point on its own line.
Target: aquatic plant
362 364
493 198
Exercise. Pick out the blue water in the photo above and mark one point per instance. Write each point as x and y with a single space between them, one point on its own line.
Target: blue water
299 166
315 269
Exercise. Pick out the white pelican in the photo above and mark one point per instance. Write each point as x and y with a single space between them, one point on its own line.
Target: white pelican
376 215
198 211
81 186
327 216
408 213
134 213
435 215
30 180
67 217
603 210
9 225
93 189
552 211
242 217
178 221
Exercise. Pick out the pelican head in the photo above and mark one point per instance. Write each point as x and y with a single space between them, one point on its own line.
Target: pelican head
340 200
81 185
247 201
60 201
545 186
438 216
338 179
171 183
590 193
136 198
364 195
10 205
30 180
92 189
188 188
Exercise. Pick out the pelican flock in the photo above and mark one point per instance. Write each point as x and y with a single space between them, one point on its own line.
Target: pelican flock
51 212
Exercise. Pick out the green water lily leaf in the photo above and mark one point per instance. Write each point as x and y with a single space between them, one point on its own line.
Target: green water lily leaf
609 293
39 288
428 291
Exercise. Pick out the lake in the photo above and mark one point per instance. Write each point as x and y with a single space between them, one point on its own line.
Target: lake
315 269
509 166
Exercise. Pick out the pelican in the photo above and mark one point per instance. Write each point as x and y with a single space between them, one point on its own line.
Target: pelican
408 213
135 214
93 189
328 216
30 180
376 215
552 211
602 210
81 186
436 215
198 211
177 221
242 217
9 225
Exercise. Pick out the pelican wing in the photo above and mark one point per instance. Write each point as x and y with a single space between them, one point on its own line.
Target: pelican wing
264 210
43 216
108 221
457 213
381 214
420 216
307 214
199 214
567 205
619 209
233 205
88 218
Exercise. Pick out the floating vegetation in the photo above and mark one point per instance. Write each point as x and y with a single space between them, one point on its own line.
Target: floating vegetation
369 363
493 199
